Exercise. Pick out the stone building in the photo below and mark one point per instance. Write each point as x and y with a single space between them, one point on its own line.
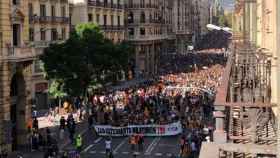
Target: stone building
26 27
147 30
183 24
16 57
48 23
204 13
108 14
247 102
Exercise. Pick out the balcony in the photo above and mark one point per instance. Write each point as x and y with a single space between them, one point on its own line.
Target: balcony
43 44
105 5
147 37
19 54
112 28
133 6
138 21
48 19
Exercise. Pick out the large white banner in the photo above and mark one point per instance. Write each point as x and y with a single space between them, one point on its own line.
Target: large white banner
146 130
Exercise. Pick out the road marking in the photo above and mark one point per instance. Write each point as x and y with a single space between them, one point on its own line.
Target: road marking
125 152
136 153
92 152
152 145
148 149
158 154
169 155
98 140
86 149
102 152
90 146
120 145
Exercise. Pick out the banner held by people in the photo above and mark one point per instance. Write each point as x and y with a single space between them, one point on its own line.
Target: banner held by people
146 130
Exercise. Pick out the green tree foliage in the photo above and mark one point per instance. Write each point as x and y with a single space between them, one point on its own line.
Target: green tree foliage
225 20
86 59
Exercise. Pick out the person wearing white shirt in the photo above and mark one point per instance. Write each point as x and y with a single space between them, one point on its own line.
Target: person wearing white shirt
108 143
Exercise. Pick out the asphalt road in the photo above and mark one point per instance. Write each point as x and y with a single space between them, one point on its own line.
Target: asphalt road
161 147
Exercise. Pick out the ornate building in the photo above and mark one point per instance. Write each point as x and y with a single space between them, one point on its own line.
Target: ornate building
247 102
16 58
48 23
108 14
183 24
147 30
26 27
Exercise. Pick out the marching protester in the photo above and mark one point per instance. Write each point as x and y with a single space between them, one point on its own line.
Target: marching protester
108 146
132 142
71 125
62 128
78 143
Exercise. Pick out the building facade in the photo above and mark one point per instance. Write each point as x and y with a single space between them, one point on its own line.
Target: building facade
183 24
48 23
147 29
15 67
153 27
204 13
247 117
108 14
26 28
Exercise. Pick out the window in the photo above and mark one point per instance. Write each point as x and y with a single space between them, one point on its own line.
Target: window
16 2
118 3
130 18
97 18
112 20
90 18
31 34
43 34
30 9
53 11
104 19
130 3
142 18
142 3
119 20
63 33
63 11
42 10
131 31
38 66
54 34
16 34
142 31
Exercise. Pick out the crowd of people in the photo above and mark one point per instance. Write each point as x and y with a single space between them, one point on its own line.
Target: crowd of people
210 40
184 82
184 91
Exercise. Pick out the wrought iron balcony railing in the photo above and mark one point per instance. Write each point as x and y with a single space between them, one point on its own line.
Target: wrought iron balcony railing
49 19
22 53
112 28
105 5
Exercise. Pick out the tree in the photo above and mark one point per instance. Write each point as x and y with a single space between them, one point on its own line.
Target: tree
56 91
86 59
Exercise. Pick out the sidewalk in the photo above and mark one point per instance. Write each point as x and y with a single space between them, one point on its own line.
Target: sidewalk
53 124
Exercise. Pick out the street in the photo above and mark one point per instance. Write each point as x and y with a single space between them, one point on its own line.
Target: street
161 147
